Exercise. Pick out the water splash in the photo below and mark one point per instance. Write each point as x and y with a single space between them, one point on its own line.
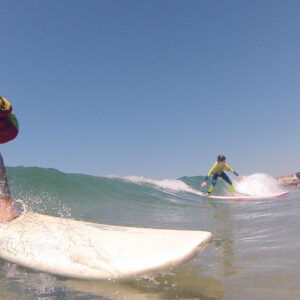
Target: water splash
174 185
257 184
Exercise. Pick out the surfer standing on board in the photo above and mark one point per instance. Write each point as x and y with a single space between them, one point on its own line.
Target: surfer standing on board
218 171
9 129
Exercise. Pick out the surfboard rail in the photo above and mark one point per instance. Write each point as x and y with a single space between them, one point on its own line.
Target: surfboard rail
250 197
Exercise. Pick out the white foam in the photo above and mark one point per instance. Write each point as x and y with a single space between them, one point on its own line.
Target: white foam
257 184
174 185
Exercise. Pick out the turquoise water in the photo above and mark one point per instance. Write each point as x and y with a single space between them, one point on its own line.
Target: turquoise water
254 253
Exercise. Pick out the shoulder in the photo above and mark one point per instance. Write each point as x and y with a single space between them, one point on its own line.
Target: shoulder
212 168
227 167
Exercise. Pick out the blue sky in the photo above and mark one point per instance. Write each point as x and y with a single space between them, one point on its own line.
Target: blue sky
152 88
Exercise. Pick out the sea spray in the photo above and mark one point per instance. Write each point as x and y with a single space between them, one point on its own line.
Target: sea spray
174 185
257 184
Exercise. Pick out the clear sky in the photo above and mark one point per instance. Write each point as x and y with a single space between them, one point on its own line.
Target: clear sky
152 88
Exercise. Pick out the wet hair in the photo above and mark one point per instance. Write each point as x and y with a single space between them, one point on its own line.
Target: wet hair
221 157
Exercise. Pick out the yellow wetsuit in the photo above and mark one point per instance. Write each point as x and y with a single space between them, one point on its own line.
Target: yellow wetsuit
218 170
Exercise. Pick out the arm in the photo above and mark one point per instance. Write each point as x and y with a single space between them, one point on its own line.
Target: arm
232 171
208 175
235 173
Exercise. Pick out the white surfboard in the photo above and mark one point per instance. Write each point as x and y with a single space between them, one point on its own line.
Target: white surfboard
253 197
94 251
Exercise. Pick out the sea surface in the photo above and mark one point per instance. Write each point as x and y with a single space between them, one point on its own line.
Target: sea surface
254 253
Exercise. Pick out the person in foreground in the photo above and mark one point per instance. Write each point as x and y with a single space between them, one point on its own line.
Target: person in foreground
9 129
218 171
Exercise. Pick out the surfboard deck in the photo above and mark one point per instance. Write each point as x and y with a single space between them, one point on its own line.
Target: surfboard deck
245 197
87 250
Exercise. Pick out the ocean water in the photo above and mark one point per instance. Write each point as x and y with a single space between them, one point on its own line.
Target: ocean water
254 254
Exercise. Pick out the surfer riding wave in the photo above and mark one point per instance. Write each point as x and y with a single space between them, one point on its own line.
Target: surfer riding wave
218 171
9 129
